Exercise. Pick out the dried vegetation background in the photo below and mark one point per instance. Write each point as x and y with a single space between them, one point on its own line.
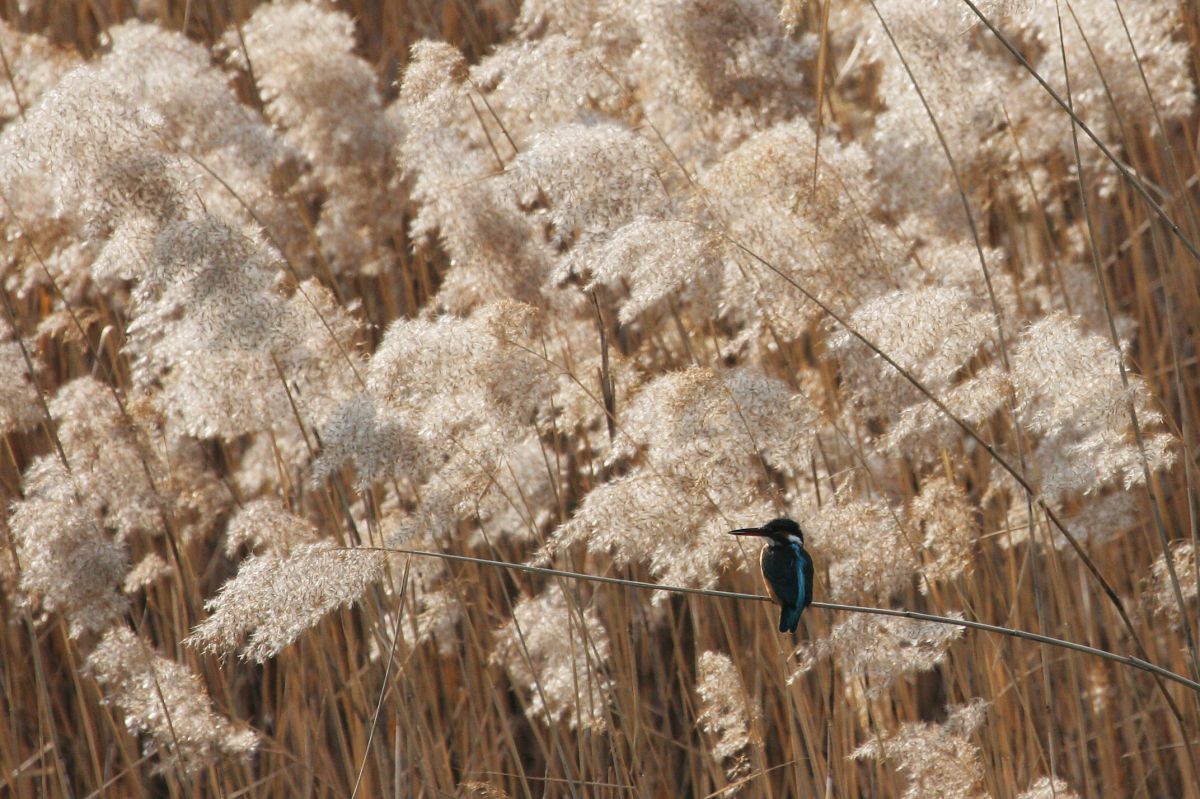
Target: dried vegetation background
584 285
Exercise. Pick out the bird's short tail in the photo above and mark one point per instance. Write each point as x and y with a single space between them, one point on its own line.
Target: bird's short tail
789 617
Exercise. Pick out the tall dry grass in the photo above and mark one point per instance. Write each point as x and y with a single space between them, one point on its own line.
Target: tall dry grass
578 287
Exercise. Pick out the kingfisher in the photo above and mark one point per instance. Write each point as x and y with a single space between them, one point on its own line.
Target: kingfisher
787 568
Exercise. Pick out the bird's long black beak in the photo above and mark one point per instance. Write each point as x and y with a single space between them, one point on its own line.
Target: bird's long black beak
748 531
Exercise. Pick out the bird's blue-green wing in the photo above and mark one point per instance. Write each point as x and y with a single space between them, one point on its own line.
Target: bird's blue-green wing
779 566
806 578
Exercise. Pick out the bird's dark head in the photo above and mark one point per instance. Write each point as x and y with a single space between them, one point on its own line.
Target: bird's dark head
780 531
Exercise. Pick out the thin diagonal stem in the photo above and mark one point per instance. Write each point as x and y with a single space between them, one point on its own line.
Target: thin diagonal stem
1115 340
1125 171
992 452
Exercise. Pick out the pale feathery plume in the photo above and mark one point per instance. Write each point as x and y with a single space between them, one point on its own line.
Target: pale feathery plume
999 138
1108 74
942 330
817 233
146 572
956 264
539 84
220 350
462 202
702 443
727 713
1160 591
444 158
710 72
34 66
264 526
915 177
931 332
992 9
321 364
880 649
480 790
112 460
90 198
449 409
938 759
1071 399
168 702
104 167
232 157
379 441
69 563
208 311
644 518
579 20
451 493
1069 392
558 664
219 280
661 261
923 430
945 332
447 401
522 497
699 421
433 76
945 515
453 375
211 308
19 409
325 100
591 178
467 485
71 184
866 548
1063 373
1098 518
791 13
1048 788
274 599
121 172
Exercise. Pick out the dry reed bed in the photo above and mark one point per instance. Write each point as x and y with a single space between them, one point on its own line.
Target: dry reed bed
580 286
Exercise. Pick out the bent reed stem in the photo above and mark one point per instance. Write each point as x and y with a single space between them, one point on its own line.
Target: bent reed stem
1127 660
